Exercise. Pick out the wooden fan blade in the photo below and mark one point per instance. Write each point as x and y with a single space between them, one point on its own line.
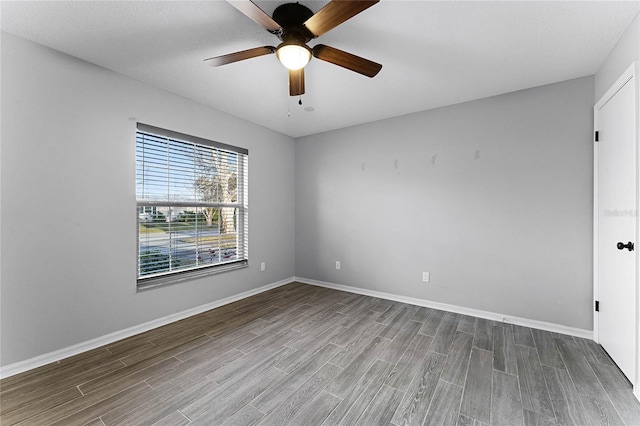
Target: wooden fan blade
240 56
296 82
257 15
346 60
335 13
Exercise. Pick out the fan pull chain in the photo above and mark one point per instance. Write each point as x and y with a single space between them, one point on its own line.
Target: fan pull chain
289 106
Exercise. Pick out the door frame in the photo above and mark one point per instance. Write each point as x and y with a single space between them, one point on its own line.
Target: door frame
631 73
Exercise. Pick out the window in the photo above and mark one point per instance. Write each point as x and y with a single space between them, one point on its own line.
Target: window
192 206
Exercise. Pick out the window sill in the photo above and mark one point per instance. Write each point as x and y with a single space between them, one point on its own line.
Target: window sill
145 284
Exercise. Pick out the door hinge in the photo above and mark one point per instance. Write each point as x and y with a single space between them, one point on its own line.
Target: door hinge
597 306
597 136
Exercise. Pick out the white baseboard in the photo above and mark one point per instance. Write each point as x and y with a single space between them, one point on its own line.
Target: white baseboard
541 325
38 361
60 354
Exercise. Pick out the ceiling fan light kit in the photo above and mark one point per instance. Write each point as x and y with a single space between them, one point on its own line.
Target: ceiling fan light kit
293 56
295 25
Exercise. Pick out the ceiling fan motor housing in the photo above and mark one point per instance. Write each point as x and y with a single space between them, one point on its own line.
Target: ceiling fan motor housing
291 17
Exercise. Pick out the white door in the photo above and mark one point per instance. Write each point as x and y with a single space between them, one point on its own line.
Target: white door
615 117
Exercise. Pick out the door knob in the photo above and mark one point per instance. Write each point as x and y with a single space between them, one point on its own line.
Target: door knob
628 246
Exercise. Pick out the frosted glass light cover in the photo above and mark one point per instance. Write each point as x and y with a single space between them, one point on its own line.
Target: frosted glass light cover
293 56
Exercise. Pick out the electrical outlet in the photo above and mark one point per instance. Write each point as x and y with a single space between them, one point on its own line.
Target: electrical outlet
338 264
426 277
263 266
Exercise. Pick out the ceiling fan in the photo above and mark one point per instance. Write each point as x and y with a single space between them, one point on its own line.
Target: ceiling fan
295 25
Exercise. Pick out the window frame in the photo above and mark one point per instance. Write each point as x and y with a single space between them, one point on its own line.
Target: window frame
240 218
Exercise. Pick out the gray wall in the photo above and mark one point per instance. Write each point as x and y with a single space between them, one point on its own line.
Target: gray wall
68 213
492 197
624 53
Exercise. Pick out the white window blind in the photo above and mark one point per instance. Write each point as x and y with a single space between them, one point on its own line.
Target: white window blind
192 206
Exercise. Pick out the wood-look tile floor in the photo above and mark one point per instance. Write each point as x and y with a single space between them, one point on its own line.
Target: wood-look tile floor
305 355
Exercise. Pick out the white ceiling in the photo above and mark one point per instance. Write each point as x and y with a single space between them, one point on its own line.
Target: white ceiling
434 53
